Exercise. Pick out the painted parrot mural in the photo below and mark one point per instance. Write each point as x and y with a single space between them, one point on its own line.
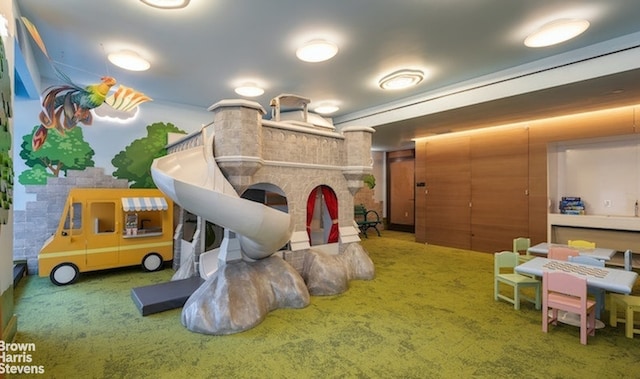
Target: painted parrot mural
66 105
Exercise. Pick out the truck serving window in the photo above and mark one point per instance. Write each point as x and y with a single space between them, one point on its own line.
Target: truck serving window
144 215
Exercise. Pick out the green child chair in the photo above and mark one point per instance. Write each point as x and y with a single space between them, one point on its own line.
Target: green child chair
504 265
521 246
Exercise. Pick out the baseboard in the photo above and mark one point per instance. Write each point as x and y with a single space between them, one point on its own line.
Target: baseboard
8 319
401 228
10 330
19 272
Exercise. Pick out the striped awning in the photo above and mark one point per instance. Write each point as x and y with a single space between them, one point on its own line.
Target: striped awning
144 204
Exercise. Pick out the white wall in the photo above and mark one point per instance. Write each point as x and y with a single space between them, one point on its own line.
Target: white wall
600 171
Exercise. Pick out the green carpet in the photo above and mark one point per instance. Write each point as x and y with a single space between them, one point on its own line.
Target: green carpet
429 313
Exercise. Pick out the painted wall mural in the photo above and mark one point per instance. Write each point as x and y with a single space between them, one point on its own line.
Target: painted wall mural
134 162
69 151
58 145
6 163
66 105
58 154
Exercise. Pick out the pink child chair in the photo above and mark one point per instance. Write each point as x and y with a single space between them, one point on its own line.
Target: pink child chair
567 292
561 253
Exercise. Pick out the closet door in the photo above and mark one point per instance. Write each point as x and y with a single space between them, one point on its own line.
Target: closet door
499 189
446 192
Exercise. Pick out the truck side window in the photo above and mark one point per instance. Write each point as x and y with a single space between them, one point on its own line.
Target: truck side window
75 217
103 216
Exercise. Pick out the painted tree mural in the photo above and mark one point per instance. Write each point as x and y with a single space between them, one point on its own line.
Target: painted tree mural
6 163
58 154
134 162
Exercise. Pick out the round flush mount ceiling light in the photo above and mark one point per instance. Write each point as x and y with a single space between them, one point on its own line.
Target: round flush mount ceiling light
401 79
129 60
249 90
317 50
166 4
556 32
326 108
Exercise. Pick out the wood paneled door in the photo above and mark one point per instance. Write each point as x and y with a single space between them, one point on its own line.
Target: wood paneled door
401 201
446 193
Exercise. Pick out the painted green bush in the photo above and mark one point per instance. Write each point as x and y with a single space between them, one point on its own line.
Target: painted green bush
57 155
134 162
6 163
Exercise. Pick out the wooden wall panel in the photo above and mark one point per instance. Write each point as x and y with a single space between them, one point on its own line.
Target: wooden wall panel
448 192
583 126
499 188
420 198
461 168
538 199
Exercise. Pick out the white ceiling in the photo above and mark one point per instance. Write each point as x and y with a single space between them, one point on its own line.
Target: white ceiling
479 70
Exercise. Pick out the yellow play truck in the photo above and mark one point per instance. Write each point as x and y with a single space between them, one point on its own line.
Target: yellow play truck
102 228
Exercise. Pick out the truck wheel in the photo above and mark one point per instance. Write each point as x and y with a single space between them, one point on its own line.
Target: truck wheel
152 262
64 273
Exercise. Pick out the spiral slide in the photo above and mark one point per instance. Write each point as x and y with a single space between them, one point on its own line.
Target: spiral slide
194 181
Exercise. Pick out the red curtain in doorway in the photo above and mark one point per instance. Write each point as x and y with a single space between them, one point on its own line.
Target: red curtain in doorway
311 203
331 200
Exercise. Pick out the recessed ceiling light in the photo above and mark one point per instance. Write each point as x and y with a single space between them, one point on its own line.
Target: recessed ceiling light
401 79
108 113
129 60
249 90
327 108
166 4
556 31
317 50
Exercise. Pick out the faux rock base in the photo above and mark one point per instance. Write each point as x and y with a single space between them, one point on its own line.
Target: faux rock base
240 294
327 274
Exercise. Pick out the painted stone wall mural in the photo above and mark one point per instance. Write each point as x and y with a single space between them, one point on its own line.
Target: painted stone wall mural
6 163
134 162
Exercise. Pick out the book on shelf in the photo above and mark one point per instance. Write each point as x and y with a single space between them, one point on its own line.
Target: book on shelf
572 212
572 205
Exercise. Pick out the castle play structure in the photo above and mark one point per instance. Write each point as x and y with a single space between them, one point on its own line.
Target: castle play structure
282 189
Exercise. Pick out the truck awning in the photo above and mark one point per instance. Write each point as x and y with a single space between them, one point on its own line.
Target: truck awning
144 204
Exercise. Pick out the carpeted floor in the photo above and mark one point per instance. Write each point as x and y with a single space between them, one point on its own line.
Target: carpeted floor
429 313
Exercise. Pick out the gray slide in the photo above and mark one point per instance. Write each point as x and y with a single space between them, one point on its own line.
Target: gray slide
194 181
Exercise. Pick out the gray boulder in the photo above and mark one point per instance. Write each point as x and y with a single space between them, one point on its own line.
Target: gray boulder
240 295
327 274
